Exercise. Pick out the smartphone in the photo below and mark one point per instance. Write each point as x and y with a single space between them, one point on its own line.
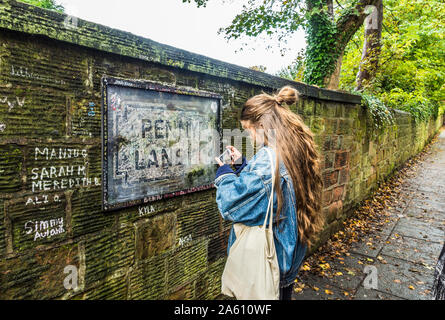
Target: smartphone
225 157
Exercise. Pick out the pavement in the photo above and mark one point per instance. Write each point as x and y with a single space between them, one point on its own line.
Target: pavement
399 263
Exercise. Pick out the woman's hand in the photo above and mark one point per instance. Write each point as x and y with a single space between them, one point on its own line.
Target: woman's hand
219 161
234 154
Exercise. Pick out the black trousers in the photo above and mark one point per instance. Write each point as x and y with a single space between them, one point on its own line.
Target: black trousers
286 292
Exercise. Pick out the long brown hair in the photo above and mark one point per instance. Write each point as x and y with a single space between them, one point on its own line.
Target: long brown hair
294 145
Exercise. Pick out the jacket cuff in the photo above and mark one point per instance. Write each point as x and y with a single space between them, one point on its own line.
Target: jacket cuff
240 167
222 170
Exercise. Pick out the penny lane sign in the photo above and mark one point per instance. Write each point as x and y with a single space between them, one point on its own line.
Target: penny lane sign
157 141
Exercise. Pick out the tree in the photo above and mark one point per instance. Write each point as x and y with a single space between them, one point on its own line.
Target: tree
411 73
329 28
371 47
47 4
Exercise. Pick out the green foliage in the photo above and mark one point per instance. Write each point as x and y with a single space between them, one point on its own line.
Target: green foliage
321 51
421 107
280 18
411 73
381 115
267 17
47 4
296 70
199 3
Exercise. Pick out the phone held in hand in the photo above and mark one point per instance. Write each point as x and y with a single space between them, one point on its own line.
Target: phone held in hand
225 157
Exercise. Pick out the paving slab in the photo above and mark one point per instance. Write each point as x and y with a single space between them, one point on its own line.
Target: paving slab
429 204
431 188
371 294
413 250
419 230
431 184
349 272
404 279
431 196
427 215
371 248
387 228
315 289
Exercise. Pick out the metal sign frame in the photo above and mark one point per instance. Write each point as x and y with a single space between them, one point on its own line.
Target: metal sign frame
145 85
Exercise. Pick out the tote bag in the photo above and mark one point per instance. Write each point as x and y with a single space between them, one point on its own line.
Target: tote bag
251 271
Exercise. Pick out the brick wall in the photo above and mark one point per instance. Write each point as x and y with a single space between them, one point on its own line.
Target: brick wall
50 72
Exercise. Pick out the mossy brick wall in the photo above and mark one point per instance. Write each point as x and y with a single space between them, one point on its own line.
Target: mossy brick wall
50 71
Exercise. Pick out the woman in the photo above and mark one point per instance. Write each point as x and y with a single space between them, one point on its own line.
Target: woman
297 185
439 277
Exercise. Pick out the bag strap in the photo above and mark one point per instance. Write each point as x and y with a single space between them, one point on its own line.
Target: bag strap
269 206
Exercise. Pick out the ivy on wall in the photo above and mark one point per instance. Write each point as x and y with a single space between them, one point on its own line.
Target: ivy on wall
321 51
381 115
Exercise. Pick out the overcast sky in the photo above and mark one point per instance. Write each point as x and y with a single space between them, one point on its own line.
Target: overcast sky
184 26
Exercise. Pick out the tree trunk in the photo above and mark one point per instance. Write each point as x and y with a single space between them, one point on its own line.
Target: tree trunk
321 42
371 47
330 5
332 81
346 26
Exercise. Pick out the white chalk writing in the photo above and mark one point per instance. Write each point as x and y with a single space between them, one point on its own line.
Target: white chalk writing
146 210
371 280
25 73
61 184
43 199
60 153
60 177
11 104
185 240
45 228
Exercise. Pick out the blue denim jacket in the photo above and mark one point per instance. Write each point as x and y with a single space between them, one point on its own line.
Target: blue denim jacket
244 199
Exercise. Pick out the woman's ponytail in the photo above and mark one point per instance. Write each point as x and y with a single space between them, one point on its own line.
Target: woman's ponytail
287 95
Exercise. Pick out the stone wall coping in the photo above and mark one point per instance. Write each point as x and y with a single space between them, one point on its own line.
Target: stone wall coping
25 18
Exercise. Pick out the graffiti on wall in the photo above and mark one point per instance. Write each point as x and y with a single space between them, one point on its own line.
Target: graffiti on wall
157 142
52 178
41 229
12 103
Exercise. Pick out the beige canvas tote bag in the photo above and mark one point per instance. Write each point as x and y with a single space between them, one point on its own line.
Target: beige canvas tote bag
251 271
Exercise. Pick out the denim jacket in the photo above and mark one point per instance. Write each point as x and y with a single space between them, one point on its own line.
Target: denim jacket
244 199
